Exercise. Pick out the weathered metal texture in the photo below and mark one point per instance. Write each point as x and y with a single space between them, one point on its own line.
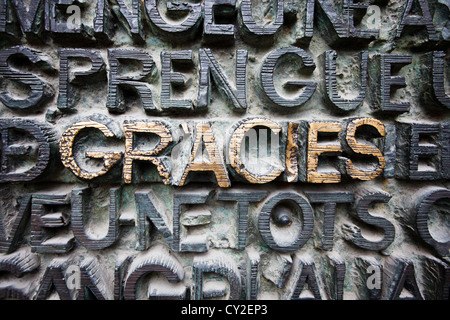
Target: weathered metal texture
222 149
